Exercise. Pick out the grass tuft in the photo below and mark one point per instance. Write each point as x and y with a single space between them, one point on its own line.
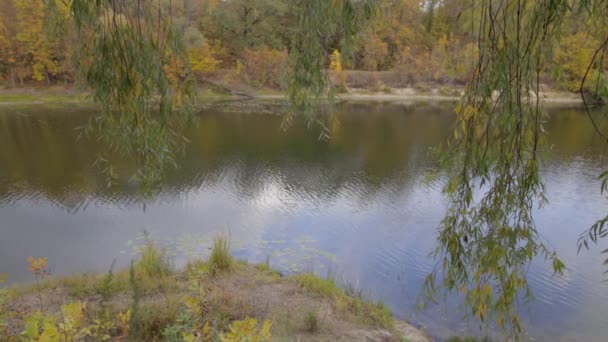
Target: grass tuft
153 261
220 259
311 321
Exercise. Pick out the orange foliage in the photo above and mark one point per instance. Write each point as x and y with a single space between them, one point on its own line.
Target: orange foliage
264 66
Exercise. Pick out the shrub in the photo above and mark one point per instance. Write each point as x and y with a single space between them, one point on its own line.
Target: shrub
264 66
220 259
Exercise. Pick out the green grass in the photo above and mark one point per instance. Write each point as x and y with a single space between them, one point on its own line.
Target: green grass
372 314
44 98
220 259
323 287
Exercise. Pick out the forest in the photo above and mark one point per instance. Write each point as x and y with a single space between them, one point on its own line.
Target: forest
410 43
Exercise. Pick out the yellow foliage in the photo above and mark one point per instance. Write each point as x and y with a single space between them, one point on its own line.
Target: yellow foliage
202 60
123 322
40 328
572 57
38 267
375 52
247 330
336 61
35 47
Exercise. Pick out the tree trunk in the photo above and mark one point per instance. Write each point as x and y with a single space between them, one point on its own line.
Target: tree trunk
48 77
12 78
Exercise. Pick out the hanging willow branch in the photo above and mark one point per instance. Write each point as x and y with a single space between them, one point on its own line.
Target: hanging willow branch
135 64
319 22
488 237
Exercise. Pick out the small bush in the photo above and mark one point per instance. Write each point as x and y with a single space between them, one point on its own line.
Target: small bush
220 259
311 321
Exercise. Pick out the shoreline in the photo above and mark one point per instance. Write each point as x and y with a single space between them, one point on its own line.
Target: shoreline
206 300
14 97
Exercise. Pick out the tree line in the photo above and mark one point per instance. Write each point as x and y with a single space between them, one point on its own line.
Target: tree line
411 41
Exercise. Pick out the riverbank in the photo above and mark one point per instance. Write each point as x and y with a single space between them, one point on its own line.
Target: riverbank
219 298
57 95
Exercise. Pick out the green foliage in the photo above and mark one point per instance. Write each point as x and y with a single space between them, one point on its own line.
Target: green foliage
104 287
220 259
317 22
488 237
132 57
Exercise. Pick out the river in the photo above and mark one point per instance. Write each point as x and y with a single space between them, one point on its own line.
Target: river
359 206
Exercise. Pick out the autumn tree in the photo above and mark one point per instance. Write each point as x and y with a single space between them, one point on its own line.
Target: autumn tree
35 48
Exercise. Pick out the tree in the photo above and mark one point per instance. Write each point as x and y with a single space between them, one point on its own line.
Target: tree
34 46
336 61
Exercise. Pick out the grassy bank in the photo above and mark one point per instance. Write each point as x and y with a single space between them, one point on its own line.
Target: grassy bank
205 95
219 299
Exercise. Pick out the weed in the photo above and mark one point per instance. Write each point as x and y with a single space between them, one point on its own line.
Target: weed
135 294
152 320
220 259
40 269
104 287
377 315
311 321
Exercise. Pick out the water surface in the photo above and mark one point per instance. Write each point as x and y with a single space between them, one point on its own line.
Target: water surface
360 204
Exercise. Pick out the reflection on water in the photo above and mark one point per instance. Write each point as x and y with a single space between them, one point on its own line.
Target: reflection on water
360 204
